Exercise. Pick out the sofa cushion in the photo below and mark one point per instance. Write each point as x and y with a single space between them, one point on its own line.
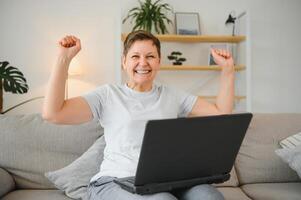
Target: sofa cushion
291 141
233 193
256 161
30 146
291 156
7 182
74 178
36 195
273 191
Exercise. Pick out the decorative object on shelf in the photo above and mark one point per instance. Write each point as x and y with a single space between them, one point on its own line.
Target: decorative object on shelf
231 21
11 80
150 16
175 56
217 46
187 23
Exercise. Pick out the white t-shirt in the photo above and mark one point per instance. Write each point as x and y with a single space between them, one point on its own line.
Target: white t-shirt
123 113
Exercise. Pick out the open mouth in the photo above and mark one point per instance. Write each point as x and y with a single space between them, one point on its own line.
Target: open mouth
143 71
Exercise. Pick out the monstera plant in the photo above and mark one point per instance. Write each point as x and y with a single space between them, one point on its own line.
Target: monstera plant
11 80
148 16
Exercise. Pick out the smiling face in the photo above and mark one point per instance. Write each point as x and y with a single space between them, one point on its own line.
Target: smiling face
141 64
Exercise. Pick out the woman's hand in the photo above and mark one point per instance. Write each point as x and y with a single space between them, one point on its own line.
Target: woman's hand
224 59
69 46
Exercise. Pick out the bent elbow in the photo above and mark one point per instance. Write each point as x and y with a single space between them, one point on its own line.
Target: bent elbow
47 117
50 118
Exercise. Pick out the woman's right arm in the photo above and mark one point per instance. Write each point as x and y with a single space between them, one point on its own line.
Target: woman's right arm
55 108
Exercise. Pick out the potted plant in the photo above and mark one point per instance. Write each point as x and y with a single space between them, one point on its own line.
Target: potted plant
175 56
11 80
150 16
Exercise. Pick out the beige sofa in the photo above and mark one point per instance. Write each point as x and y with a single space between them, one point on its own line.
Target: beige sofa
29 147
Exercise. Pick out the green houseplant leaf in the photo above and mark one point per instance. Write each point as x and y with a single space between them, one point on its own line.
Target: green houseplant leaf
13 79
150 16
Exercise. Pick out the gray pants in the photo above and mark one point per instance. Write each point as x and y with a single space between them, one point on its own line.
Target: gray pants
105 189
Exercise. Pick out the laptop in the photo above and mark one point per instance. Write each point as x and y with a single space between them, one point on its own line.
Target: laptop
184 152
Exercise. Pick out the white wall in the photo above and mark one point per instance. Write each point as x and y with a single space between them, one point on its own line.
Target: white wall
275 45
30 30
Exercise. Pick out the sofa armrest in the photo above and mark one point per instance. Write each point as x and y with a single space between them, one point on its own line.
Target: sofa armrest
7 182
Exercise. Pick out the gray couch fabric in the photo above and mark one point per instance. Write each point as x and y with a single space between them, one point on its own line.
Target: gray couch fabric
292 157
7 182
29 147
257 161
273 191
75 178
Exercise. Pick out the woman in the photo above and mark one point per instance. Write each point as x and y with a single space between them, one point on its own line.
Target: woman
124 109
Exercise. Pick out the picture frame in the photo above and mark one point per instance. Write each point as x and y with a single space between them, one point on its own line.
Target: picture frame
217 46
187 23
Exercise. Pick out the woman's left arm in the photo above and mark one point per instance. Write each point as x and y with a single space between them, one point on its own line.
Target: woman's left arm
225 99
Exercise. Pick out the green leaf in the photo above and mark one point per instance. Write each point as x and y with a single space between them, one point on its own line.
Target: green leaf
149 16
13 79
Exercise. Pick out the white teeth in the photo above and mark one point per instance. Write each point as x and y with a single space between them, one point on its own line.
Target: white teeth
142 71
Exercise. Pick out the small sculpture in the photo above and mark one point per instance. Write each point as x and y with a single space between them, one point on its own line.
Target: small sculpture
175 56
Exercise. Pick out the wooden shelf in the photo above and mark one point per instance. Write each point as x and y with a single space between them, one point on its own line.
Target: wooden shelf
198 38
200 68
237 98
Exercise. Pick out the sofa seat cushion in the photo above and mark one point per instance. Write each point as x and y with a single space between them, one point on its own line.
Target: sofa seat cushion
273 191
257 161
233 193
36 195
